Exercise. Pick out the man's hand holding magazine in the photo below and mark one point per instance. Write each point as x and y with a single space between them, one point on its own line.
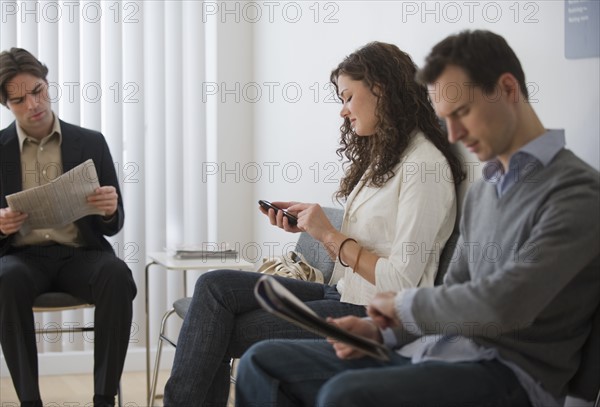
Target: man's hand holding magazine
382 313
358 326
351 336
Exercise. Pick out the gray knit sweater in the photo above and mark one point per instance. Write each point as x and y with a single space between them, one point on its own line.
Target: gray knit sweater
525 277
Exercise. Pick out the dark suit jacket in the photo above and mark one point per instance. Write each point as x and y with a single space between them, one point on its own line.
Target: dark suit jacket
78 144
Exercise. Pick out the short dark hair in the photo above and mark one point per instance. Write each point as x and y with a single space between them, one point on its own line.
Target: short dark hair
484 56
16 61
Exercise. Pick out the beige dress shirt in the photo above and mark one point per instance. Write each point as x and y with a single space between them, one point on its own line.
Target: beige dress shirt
41 163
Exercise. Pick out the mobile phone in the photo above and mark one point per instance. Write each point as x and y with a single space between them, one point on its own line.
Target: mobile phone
266 205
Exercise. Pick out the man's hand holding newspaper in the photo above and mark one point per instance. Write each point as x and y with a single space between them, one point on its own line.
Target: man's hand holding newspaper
71 196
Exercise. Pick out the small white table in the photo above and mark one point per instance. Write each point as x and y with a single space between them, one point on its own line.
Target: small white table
167 261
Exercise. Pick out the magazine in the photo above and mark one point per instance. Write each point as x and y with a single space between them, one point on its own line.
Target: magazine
275 298
204 251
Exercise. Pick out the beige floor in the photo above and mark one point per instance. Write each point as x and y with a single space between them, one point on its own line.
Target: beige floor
76 390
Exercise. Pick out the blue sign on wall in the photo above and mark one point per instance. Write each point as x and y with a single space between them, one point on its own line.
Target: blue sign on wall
582 33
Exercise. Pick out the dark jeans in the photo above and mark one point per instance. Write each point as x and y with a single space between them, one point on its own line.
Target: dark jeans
224 319
98 277
307 373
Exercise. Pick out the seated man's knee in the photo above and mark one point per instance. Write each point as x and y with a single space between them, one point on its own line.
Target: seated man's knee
253 357
118 276
13 279
344 389
17 292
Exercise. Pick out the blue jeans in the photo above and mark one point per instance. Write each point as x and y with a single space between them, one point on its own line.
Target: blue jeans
307 373
224 319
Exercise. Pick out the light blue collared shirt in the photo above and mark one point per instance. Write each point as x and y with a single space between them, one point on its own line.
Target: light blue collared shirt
522 165
535 154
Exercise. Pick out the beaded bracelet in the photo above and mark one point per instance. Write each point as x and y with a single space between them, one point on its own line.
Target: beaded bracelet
340 251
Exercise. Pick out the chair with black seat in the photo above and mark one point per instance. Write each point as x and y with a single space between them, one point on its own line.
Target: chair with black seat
59 301
314 253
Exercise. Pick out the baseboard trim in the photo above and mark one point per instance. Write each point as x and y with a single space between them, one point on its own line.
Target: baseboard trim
77 362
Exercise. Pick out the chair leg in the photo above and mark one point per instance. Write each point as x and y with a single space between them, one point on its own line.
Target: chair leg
161 338
155 372
119 396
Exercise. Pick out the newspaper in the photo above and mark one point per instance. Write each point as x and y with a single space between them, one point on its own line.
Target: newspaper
275 298
60 202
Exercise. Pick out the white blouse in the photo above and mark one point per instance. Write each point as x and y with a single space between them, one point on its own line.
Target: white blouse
406 223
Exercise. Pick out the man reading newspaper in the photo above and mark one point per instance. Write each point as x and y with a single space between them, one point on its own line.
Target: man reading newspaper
76 258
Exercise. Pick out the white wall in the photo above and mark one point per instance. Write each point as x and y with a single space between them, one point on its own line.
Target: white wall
305 52
230 67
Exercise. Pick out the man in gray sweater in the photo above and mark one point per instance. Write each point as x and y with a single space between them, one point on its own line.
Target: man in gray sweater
508 325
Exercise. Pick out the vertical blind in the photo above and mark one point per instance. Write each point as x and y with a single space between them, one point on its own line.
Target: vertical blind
132 70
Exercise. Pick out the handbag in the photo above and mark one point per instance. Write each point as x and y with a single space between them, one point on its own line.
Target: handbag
291 265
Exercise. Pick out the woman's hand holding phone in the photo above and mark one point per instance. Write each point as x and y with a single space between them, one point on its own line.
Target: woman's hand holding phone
308 218
312 220
276 218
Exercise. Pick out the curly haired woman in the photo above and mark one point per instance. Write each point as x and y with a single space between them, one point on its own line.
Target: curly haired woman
400 194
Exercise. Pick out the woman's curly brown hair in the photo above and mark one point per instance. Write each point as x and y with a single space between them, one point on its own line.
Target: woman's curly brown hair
402 106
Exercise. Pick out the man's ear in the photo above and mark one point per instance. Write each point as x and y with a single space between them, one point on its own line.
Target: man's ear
509 85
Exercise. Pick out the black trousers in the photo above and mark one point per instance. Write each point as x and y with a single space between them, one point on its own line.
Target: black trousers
98 277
